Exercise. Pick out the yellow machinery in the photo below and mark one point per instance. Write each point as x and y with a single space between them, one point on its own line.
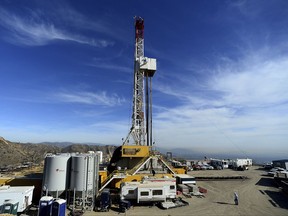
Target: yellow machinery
134 164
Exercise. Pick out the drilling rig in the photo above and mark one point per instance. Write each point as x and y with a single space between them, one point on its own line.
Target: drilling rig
135 158
144 70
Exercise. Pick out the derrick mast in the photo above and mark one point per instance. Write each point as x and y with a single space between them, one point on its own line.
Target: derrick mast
144 68
136 155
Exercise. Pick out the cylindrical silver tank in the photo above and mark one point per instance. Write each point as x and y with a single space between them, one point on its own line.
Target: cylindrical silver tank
56 170
100 154
82 174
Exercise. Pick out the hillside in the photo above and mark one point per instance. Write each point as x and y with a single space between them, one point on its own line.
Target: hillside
13 154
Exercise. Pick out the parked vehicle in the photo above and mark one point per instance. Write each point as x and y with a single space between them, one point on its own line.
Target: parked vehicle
210 167
219 163
268 166
203 167
196 167
273 171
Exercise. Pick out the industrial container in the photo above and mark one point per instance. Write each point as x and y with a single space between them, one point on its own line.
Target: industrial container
56 170
45 206
100 153
59 207
83 180
10 207
21 194
82 174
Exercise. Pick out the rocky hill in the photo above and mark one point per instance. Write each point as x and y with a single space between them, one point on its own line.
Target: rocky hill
13 154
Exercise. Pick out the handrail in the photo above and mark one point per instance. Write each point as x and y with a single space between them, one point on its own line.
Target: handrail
131 171
110 177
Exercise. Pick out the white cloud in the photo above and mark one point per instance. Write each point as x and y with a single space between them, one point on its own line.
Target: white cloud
257 84
111 66
91 98
240 106
34 30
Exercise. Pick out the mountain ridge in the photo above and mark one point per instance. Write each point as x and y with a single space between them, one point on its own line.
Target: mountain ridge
13 154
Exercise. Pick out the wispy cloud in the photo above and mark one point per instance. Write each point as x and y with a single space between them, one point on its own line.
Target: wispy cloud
90 98
240 105
110 66
35 30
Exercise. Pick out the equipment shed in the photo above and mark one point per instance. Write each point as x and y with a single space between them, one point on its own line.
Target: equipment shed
21 194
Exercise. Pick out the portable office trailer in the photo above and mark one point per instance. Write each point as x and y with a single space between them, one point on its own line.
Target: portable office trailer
156 191
45 206
148 191
21 194
129 190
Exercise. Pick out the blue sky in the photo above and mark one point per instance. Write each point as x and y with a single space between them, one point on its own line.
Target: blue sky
221 83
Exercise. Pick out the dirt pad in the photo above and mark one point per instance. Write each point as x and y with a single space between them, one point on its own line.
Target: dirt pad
257 196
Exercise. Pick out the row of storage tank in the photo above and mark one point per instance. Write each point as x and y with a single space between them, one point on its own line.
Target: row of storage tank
74 172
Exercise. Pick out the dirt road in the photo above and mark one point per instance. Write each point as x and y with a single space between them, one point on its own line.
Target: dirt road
257 196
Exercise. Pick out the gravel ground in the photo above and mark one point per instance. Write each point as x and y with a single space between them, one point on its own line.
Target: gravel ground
257 196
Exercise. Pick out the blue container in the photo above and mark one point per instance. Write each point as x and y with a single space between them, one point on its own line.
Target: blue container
45 206
59 207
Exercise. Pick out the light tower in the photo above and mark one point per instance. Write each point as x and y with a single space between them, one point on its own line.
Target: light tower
144 69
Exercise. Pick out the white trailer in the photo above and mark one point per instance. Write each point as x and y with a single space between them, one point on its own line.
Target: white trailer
148 191
21 194
242 164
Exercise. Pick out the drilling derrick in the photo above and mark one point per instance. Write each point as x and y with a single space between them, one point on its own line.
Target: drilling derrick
135 154
144 69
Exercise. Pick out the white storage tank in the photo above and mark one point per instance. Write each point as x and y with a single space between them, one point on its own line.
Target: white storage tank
56 172
82 174
83 180
100 154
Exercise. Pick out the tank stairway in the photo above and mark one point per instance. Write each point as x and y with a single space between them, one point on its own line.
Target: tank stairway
116 174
